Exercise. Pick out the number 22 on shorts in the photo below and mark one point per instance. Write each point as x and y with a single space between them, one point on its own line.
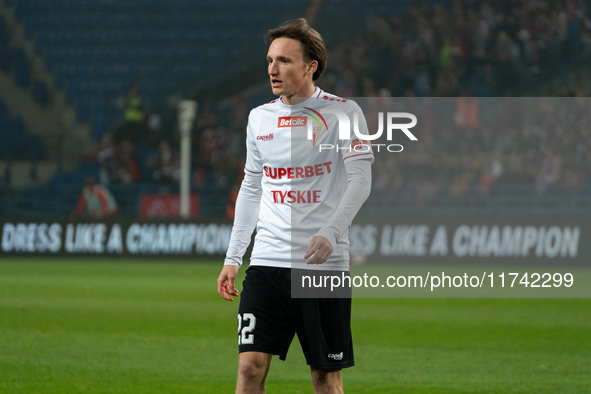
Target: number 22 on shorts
245 336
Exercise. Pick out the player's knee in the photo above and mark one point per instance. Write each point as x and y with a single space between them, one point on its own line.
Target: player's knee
247 371
326 378
251 369
320 376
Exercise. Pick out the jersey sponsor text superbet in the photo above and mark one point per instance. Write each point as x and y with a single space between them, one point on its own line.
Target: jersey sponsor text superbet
298 172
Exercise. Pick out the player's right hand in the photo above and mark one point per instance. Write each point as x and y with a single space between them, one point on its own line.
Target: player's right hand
226 282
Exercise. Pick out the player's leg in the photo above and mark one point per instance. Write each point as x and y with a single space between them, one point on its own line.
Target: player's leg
324 331
264 325
327 381
253 368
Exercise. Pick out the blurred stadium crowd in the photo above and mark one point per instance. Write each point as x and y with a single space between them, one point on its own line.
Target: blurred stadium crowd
461 48
488 146
489 48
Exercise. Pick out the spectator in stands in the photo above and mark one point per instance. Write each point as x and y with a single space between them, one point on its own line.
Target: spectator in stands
133 115
199 178
207 118
95 201
165 166
239 113
486 181
494 47
105 156
126 168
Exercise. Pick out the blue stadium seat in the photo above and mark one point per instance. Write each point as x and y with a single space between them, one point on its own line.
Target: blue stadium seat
34 147
41 92
21 8
5 57
82 112
64 178
87 169
3 31
16 125
98 127
21 68
71 93
2 109
17 146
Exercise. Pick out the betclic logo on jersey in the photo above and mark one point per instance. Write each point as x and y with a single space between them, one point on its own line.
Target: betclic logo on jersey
292 121
363 142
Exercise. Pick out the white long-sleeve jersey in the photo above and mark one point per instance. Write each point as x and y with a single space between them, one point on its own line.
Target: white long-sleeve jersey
296 187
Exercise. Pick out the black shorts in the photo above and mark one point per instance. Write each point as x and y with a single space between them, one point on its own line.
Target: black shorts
268 318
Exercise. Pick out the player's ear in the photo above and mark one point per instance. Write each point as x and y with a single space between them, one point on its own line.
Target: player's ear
312 67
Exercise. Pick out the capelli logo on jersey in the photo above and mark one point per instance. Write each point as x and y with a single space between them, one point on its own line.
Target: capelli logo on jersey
268 137
292 121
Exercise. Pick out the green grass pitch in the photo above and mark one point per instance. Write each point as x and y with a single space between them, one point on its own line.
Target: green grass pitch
116 326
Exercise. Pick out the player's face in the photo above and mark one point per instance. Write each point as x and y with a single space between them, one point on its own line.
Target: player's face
290 75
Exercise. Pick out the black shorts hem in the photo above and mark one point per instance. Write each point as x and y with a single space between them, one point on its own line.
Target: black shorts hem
282 355
333 366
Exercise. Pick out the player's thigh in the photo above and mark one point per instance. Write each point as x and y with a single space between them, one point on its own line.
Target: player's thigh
324 331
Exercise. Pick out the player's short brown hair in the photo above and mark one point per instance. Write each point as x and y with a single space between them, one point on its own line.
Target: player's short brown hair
312 42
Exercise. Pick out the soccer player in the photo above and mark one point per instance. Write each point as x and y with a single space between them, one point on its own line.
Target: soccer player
302 200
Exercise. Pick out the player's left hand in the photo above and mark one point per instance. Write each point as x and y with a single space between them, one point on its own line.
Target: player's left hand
318 251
